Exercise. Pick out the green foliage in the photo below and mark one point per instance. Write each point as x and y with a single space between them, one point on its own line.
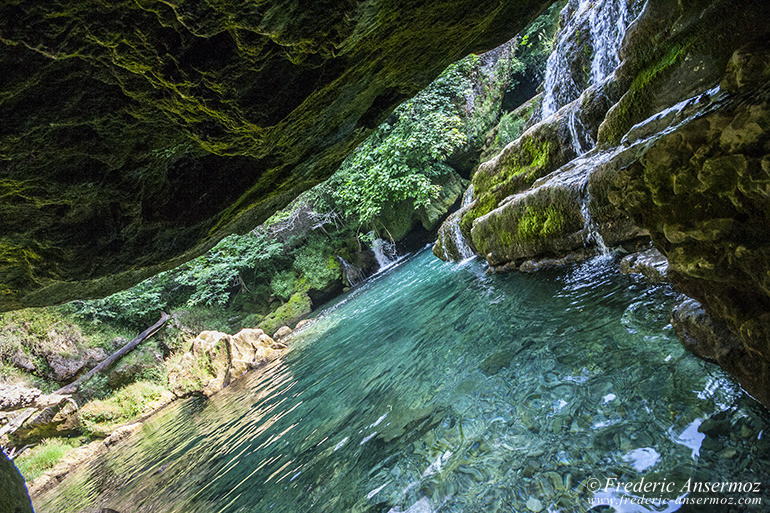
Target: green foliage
208 280
138 306
213 274
43 457
511 126
399 161
283 284
318 267
535 45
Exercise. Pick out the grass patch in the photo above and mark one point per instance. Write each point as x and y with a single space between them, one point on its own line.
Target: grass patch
42 457
98 418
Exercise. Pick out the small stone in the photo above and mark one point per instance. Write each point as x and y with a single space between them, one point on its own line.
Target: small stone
534 505
746 431
729 453
301 324
712 427
281 333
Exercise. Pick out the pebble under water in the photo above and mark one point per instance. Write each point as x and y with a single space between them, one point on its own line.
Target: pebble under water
438 387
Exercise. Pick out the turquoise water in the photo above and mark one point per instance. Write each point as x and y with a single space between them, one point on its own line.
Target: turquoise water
438 387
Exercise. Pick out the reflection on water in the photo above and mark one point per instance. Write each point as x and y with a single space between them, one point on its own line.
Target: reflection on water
437 387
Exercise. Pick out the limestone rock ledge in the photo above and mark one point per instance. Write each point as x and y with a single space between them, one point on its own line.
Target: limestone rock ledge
215 359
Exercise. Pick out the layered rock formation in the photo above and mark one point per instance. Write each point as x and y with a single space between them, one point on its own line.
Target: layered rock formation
136 135
673 145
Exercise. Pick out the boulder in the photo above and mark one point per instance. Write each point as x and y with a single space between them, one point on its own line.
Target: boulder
216 359
712 340
282 333
66 368
14 498
55 416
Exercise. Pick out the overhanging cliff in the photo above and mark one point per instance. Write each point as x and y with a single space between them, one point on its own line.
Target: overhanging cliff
137 134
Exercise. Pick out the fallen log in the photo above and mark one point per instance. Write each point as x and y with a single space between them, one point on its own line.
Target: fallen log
73 387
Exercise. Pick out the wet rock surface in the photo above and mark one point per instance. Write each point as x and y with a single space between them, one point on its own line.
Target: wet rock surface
711 339
650 263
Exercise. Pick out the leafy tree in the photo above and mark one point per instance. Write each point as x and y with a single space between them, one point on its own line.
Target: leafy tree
406 153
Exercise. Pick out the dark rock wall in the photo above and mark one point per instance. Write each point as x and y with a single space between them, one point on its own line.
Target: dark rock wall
136 134
14 497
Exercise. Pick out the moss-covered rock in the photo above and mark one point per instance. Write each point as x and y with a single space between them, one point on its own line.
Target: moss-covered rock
297 307
702 189
543 221
398 219
676 50
136 135
540 150
14 498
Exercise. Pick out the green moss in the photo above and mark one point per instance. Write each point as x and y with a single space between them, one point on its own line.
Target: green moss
297 307
537 224
637 102
514 173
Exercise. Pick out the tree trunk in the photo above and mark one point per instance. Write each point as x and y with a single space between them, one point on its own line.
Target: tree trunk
73 387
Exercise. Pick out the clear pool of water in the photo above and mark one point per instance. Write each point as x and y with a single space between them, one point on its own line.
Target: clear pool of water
438 387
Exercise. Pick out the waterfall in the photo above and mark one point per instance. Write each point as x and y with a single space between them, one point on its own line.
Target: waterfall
592 233
576 131
598 26
464 251
451 240
353 274
385 253
467 197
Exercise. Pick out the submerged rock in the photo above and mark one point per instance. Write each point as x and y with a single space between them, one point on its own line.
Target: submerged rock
650 263
711 340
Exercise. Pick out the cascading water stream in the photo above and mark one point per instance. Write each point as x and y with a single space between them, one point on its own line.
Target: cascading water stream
607 22
384 253
591 230
353 274
452 230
